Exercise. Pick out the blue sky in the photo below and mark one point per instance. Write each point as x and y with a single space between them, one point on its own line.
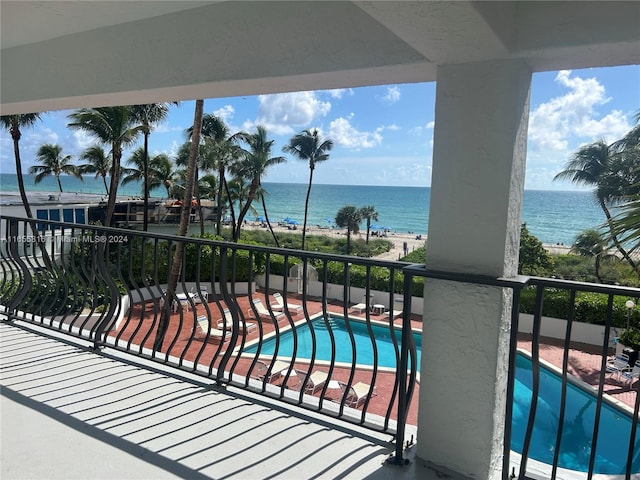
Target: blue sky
384 135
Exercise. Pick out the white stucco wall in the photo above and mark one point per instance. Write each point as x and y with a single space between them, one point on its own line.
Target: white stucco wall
474 223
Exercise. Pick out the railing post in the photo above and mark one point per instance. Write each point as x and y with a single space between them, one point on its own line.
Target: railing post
403 400
26 283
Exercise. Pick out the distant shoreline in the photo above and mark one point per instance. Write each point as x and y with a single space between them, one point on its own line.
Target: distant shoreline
413 240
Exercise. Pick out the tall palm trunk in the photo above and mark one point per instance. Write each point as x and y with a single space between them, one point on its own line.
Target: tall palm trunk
185 214
222 184
59 183
368 229
15 135
231 207
614 237
597 267
196 186
243 212
145 186
266 216
106 187
306 206
113 186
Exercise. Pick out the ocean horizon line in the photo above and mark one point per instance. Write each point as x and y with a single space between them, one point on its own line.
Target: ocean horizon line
50 188
553 216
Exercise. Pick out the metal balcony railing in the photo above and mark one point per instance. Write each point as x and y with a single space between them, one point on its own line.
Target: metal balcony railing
329 333
222 319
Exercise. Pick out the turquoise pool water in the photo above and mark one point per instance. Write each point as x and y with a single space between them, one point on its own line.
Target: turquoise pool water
364 351
614 430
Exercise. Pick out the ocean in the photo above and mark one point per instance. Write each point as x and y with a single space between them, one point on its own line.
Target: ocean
554 217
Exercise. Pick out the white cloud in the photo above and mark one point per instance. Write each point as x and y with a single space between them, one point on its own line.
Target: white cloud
422 129
411 174
339 92
572 118
81 140
284 113
393 127
412 170
393 94
225 113
344 134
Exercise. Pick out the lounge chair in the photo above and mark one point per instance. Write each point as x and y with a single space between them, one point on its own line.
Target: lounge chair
398 308
280 307
263 312
312 383
630 375
200 297
277 369
362 306
359 307
183 299
227 323
202 324
356 394
619 364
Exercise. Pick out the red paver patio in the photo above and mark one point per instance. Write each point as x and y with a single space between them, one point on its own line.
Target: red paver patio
584 360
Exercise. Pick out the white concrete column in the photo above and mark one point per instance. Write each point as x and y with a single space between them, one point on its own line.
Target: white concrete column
474 227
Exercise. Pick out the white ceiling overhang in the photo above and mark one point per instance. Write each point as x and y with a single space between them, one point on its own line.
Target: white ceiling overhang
58 55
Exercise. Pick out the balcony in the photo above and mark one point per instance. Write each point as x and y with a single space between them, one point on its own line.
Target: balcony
194 379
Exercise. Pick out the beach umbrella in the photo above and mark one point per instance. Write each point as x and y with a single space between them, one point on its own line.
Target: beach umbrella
260 219
293 222
374 227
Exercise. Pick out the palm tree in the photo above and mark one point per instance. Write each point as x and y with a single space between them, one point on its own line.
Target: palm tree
162 171
596 165
114 127
369 213
99 163
626 223
590 243
349 217
208 186
148 115
185 214
308 146
203 162
630 143
252 167
155 170
53 163
238 190
13 123
223 151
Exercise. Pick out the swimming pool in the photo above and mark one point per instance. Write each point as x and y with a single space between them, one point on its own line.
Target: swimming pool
615 426
613 434
344 352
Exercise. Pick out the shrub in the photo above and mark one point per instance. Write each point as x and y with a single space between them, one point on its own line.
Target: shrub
589 307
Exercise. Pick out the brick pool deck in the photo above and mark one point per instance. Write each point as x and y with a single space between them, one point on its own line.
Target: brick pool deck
584 360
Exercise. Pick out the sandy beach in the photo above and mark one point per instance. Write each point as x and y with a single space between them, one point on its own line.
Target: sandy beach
398 239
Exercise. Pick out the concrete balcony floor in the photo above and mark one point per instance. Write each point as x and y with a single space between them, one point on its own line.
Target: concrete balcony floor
69 413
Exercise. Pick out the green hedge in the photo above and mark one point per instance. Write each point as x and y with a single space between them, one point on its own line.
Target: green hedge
379 276
589 307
